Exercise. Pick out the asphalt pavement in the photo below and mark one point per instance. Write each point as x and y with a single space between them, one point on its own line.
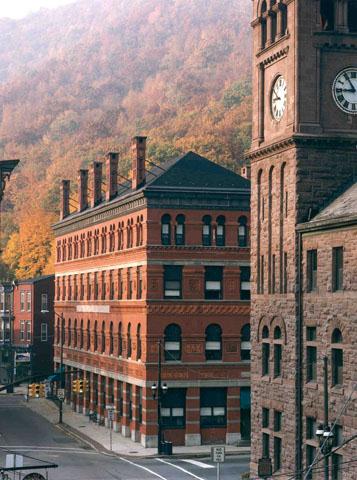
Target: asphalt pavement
29 434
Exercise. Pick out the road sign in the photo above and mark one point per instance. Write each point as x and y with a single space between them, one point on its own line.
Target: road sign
60 393
218 454
34 476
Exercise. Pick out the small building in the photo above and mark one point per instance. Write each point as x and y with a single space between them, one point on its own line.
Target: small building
161 257
33 326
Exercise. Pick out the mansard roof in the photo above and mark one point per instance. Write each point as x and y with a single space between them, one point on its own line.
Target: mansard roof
340 212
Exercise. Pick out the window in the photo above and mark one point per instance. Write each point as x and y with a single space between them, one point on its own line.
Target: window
140 404
140 283
245 283
2 301
265 445
310 428
81 336
327 15
180 230
311 363
265 351
111 285
284 19
352 16
213 283
138 342
277 420
111 339
102 337
311 270
28 301
245 345
120 340
264 35
265 417
220 232
129 400
172 342
277 352
95 336
273 27
213 407
213 342
75 334
22 330
130 284
44 335
337 268
277 453
96 288
166 230
69 331
337 358
337 467
173 408
88 335
285 273
44 302
273 274
172 281
206 231
28 331
128 353
311 334
242 232
310 458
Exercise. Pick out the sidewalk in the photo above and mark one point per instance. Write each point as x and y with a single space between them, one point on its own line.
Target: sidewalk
79 426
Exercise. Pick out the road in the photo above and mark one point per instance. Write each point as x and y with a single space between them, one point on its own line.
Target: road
25 432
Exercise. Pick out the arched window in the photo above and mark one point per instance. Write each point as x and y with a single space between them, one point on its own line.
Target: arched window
213 342
264 36
75 335
277 351
128 353
242 232
221 231
245 345
284 19
206 230
120 340
111 339
166 230
265 351
88 335
273 26
95 336
69 337
352 16
327 11
102 335
81 336
172 342
138 342
337 357
180 230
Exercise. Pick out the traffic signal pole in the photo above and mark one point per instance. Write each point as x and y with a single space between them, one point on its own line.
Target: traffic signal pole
60 419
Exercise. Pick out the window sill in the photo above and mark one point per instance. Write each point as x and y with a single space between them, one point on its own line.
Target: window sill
214 426
311 385
338 389
277 380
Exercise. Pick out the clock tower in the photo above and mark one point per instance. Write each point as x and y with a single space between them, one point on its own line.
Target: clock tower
303 154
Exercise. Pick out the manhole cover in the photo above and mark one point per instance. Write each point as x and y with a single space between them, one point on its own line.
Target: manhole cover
133 451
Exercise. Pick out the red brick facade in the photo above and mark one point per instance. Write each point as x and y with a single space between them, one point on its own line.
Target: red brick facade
298 164
113 269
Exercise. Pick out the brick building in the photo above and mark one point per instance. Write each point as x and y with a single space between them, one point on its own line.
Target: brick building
33 326
163 256
303 155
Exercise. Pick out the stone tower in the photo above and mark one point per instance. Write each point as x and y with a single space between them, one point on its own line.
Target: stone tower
303 154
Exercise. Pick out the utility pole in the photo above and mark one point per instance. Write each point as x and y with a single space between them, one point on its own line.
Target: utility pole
159 390
60 420
326 456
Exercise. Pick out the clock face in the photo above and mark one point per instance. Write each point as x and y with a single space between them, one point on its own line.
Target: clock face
344 90
278 98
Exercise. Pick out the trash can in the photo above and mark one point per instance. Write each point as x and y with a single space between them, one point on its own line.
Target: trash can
167 450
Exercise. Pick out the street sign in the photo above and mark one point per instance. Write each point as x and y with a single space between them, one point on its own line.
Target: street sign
34 476
218 454
60 393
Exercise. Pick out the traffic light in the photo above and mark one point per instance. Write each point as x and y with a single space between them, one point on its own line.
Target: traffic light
42 390
75 386
80 386
37 390
32 389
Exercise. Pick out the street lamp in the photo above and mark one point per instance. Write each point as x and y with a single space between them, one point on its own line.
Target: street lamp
325 437
158 391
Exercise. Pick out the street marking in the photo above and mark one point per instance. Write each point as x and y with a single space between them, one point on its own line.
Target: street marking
144 468
199 464
180 468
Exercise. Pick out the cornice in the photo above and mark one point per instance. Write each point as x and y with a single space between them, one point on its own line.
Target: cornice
238 308
275 56
303 141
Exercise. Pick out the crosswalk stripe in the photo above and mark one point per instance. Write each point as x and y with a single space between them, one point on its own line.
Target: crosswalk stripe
180 468
198 464
143 468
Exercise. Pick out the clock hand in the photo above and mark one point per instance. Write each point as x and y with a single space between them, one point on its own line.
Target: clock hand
348 90
353 90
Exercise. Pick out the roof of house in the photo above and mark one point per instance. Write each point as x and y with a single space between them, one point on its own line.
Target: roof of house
341 211
35 279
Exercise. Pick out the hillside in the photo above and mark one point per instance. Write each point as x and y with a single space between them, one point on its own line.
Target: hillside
82 79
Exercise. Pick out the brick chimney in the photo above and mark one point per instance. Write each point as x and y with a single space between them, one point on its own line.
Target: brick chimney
245 171
65 189
112 175
138 162
96 183
82 189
